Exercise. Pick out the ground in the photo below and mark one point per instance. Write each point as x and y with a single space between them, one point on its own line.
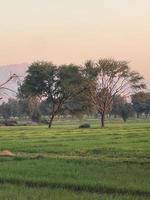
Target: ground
69 163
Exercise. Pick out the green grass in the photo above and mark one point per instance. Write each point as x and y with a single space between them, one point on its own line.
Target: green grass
11 192
71 163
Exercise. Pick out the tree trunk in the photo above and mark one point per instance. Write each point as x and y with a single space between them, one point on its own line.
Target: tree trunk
54 112
138 115
103 120
51 120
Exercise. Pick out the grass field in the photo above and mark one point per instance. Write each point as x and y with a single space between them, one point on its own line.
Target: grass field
68 163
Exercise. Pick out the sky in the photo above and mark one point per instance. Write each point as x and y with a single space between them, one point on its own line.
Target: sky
72 31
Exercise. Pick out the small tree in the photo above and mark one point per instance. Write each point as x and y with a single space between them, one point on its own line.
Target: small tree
52 83
5 111
126 111
122 108
109 78
141 103
118 101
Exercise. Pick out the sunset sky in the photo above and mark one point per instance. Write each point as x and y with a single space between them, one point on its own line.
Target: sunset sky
66 31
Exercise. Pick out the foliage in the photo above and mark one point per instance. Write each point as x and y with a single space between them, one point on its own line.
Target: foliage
9 109
141 103
126 111
118 101
122 108
79 105
52 83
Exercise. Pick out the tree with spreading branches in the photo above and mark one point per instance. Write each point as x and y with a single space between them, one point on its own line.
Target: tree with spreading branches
109 78
54 84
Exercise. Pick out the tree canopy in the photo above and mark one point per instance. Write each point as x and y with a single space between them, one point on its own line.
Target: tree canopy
54 83
111 77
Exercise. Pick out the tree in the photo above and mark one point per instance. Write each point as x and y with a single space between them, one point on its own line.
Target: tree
118 102
5 111
3 86
141 103
126 111
55 84
147 111
33 104
109 78
13 107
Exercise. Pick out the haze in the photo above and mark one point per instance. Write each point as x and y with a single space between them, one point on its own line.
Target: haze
66 31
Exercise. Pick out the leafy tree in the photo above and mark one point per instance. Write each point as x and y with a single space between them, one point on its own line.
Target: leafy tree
126 111
122 108
141 103
109 78
147 111
54 84
5 111
33 105
13 106
118 101
9 109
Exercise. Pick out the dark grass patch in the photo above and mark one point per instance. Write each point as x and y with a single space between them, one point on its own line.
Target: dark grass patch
76 188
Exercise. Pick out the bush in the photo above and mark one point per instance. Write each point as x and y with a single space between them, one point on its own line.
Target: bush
85 126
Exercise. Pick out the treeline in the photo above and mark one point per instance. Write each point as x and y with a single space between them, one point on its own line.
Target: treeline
139 107
99 88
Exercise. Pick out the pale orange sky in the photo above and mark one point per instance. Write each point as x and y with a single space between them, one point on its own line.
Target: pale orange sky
66 31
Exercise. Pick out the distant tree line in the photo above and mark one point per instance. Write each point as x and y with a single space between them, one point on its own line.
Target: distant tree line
138 107
96 88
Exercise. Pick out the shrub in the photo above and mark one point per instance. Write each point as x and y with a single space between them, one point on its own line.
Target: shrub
85 126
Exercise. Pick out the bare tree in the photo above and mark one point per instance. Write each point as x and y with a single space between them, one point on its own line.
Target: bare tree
109 78
4 88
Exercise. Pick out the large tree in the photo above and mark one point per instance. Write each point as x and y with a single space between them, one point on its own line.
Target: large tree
109 78
55 84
